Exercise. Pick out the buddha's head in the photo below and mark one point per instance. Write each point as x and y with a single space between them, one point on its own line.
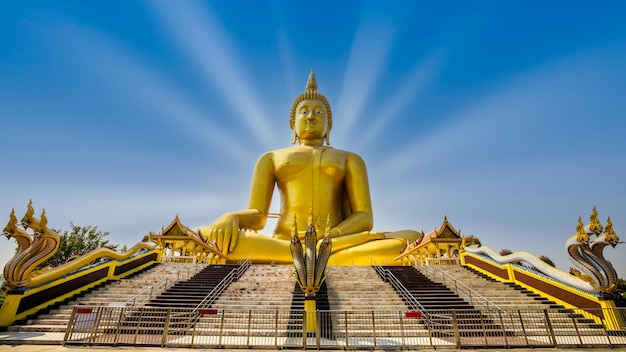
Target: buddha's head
310 102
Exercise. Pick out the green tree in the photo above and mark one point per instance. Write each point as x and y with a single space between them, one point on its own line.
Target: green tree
76 241
4 288
620 293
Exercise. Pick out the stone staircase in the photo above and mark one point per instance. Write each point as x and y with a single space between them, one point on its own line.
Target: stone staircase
431 295
190 293
499 294
173 308
361 302
262 287
56 318
443 306
528 308
359 288
267 294
264 293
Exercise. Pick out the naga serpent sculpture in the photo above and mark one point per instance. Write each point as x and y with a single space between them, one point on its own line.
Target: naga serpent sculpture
310 263
45 244
31 251
24 240
587 254
584 253
34 250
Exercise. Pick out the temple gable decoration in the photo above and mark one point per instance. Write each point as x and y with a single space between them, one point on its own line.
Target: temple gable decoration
441 244
178 243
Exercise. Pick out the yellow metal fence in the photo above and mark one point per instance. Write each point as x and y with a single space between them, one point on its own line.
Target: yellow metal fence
217 328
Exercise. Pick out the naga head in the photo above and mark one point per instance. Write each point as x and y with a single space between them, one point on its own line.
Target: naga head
594 227
29 217
610 235
42 225
11 227
581 234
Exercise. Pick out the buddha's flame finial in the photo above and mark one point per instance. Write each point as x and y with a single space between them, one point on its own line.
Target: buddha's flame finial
311 84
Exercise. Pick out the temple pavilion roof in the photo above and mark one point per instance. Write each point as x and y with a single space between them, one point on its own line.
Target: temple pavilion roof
446 232
176 232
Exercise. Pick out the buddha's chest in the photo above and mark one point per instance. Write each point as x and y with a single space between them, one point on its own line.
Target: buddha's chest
310 163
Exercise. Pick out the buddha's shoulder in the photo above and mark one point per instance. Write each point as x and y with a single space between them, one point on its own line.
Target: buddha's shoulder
303 150
279 154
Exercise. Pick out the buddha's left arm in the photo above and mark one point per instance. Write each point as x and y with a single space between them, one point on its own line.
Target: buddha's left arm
358 192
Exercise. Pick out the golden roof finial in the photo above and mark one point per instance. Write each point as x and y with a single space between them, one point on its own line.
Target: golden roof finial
311 84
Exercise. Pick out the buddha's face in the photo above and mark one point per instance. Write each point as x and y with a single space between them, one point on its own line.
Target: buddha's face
311 120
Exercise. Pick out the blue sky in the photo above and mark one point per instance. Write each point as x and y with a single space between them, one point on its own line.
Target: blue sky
507 117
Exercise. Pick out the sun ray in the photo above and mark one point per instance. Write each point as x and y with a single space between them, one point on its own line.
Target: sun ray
136 81
368 56
417 80
520 115
198 31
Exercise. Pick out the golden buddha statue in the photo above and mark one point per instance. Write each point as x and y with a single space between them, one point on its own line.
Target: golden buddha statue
312 178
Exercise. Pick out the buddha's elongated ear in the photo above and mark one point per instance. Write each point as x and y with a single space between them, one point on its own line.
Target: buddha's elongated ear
294 136
327 137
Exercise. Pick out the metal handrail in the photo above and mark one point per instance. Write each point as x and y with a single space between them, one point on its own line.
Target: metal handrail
234 275
458 287
404 293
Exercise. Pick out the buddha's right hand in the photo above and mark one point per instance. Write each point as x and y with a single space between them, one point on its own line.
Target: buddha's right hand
225 232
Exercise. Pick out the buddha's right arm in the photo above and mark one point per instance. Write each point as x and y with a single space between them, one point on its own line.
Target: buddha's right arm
251 219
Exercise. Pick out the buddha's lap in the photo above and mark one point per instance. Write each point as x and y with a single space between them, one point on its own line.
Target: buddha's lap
265 249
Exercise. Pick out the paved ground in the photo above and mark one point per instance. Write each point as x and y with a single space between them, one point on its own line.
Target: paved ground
52 342
49 348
